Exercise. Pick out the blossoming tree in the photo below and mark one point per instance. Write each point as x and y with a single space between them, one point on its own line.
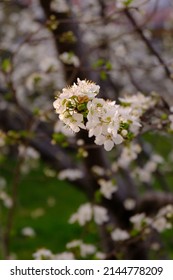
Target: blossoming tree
87 86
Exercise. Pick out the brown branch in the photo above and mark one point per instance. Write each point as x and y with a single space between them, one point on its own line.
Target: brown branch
148 43
152 201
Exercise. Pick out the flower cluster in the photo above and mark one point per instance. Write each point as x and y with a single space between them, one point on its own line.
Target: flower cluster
162 220
144 173
104 122
81 249
88 211
85 249
108 122
129 154
71 104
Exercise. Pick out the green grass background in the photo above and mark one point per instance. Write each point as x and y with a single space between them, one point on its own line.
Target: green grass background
52 228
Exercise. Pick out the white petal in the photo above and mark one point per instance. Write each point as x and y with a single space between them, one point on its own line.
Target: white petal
118 139
108 145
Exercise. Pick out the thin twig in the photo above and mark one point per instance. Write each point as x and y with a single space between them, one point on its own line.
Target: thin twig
148 43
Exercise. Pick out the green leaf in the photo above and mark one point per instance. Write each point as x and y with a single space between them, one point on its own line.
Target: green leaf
127 2
6 65
164 117
103 75
59 137
100 62
108 65
98 196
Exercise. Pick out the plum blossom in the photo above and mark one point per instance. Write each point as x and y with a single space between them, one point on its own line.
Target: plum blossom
107 188
64 256
70 58
138 220
129 203
71 103
139 103
129 153
70 174
28 232
171 121
88 211
43 254
6 199
161 224
161 221
100 215
104 122
144 173
110 123
3 183
83 215
85 249
119 235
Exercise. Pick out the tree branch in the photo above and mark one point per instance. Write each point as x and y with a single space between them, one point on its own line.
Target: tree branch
147 42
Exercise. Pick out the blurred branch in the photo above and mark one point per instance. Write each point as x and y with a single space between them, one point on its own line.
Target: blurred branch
152 201
147 42
11 212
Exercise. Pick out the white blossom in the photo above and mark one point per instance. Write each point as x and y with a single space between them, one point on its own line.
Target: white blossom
107 188
108 122
100 215
3 183
138 103
28 231
70 102
100 255
171 121
73 244
166 211
7 200
138 220
161 221
48 64
161 224
70 174
88 211
59 6
144 173
104 122
85 249
83 215
60 127
98 170
42 254
28 152
64 256
129 203
69 58
119 235
129 153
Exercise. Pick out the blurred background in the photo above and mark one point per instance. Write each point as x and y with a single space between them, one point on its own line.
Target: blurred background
124 46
